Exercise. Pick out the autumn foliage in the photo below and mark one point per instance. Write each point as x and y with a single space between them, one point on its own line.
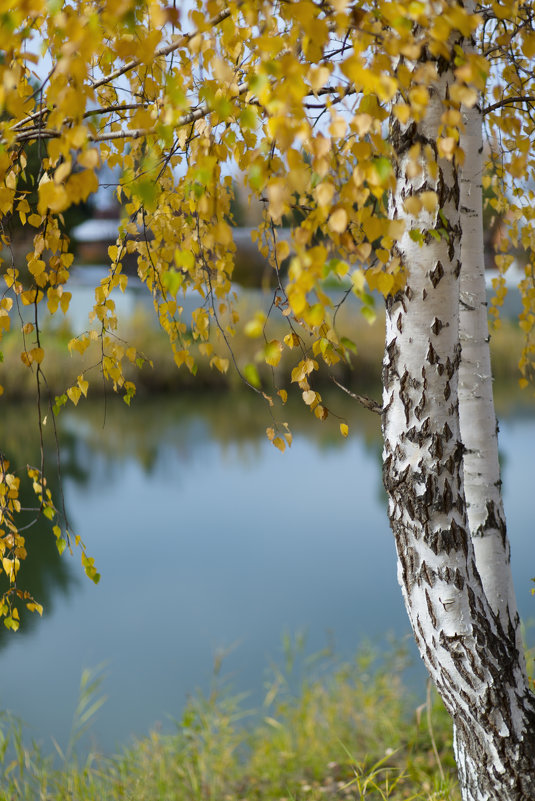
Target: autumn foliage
293 99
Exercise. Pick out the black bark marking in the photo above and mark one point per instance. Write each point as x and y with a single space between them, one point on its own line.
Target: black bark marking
437 326
495 521
404 396
431 355
430 610
436 274
419 409
435 448
458 579
426 574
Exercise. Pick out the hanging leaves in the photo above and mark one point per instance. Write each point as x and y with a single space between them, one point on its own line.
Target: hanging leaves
289 99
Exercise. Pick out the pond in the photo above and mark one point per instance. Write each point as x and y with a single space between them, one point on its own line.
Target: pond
211 541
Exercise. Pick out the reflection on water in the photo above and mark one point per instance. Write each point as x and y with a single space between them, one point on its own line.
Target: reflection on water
208 538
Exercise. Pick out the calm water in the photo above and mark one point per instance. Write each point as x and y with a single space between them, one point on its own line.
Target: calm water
209 539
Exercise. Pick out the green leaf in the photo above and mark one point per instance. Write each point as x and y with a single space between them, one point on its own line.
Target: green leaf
61 400
257 83
348 344
147 191
383 168
368 313
172 281
256 177
249 118
251 375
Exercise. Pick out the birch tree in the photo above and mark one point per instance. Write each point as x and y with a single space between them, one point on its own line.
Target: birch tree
374 126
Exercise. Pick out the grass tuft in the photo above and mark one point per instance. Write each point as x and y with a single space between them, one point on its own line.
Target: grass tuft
352 732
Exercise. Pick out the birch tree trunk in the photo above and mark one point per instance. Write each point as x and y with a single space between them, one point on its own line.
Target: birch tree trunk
470 654
482 482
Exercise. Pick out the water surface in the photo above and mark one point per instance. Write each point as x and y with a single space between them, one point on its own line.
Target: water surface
208 539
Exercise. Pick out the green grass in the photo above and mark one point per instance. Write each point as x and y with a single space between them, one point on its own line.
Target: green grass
352 732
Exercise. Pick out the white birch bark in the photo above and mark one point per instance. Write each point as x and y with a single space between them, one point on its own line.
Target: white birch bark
482 482
473 661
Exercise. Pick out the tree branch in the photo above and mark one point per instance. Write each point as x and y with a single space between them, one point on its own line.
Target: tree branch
506 101
192 116
368 403
161 51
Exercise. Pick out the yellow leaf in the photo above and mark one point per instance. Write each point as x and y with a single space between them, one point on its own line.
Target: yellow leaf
283 395
89 158
282 250
297 298
446 146
402 112
255 327
37 355
338 221
429 201
280 444
463 94
53 197
74 394
412 205
83 384
384 282
324 193
358 280
419 96
52 300
77 136
338 127
291 340
8 566
272 352
62 172
318 77
309 396
64 301
220 363
270 434
344 429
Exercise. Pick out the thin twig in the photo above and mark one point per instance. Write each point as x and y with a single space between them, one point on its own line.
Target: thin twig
368 403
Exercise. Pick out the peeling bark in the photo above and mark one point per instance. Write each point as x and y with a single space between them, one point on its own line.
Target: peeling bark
470 649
